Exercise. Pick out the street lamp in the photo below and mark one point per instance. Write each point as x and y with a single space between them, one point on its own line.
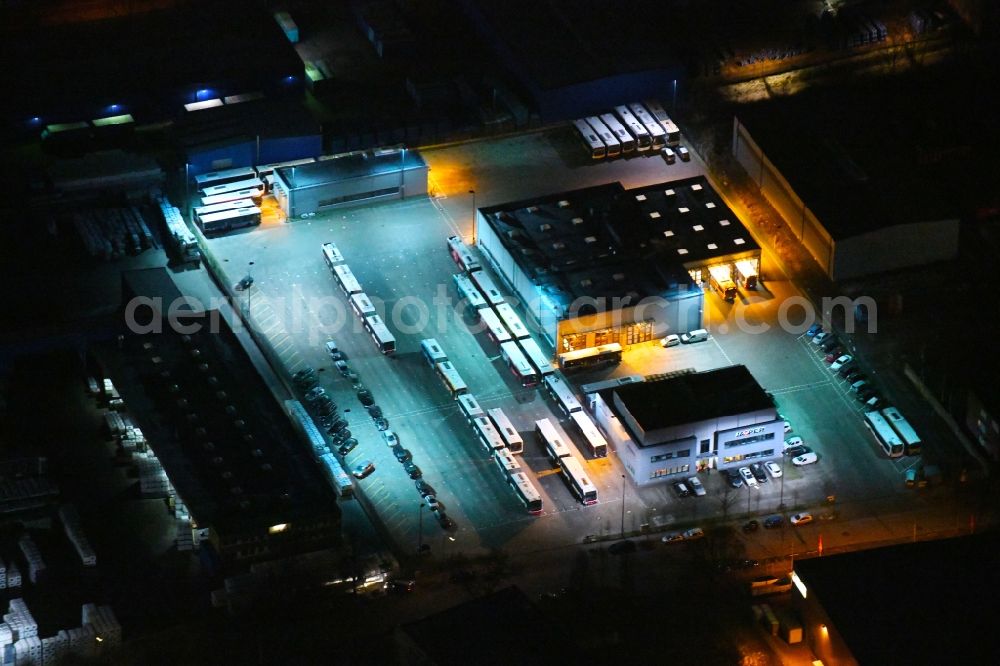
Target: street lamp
781 494
420 530
623 506
473 193
249 286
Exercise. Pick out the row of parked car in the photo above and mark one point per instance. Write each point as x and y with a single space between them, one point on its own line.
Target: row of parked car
846 367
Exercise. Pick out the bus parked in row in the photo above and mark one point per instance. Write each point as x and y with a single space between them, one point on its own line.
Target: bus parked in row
746 273
469 294
462 255
582 358
511 437
432 351
590 140
451 379
345 279
626 140
487 434
213 178
595 440
494 327
612 145
884 435
911 441
513 323
469 407
332 255
578 480
518 364
379 332
487 288
643 141
656 133
362 305
673 134
548 437
526 492
563 395
721 279
536 357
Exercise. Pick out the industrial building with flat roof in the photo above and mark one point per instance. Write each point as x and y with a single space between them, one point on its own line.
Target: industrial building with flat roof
222 440
666 429
605 265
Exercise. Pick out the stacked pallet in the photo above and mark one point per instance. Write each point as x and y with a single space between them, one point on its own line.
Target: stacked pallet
112 233
153 480
33 556
74 531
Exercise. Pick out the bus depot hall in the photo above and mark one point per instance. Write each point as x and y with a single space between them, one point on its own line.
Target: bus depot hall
604 265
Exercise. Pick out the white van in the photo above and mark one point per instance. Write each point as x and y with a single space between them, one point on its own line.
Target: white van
697 335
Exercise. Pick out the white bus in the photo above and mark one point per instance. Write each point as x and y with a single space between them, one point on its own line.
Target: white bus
518 364
911 441
578 480
462 255
468 293
613 145
746 273
526 492
656 133
595 440
669 127
237 218
511 437
643 141
494 327
581 358
469 407
487 288
626 140
536 357
506 462
884 434
487 434
561 392
239 195
381 336
224 205
452 380
248 184
590 140
548 437
512 321
213 178
332 255
362 305
432 351
345 279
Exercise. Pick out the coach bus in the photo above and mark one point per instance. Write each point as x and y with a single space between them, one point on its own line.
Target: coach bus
548 437
494 327
518 364
345 279
643 141
213 178
526 492
721 278
669 127
469 407
613 145
536 357
512 321
562 394
451 379
432 351
581 358
237 218
252 194
235 186
656 133
626 140
462 255
468 294
487 288
595 440
578 480
511 437
380 334
332 255
911 442
590 140
487 434
506 462
886 437
362 305
223 205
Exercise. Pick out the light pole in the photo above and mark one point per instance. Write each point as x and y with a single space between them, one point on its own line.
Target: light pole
781 493
420 530
249 286
748 500
623 506
402 165
473 193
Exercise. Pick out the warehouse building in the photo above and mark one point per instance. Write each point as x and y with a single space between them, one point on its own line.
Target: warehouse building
605 265
855 194
350 179
668 429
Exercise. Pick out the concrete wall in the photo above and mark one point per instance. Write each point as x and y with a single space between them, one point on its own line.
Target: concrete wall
895 247
311 199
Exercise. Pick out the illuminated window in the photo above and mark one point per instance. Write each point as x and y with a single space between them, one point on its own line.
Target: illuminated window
655 215
723 223
739 241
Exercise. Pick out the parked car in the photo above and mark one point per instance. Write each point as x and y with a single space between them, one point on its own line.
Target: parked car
365 396
831 345
792 442
327 420
814 329
400 586
348 446
693 533
668 154
305 378
390 437
750 526
797 451
820 338
680 489
694 483
342 366
433 503
338 426
402 455
697 335
341 435
733 478
332 350
424 488
748 478
859 384
412 470
875 402
673 537
758 472
841 361
382 424
375 411
788 427
854 374
805 459
364 469
325 407
801 519
314 394
671 340
774 522
845 370
832 356
684 154
773 468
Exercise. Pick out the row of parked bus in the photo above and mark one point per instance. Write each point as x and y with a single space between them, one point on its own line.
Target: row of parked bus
559 389
570 468
494 431
486 304
630 129
360 303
